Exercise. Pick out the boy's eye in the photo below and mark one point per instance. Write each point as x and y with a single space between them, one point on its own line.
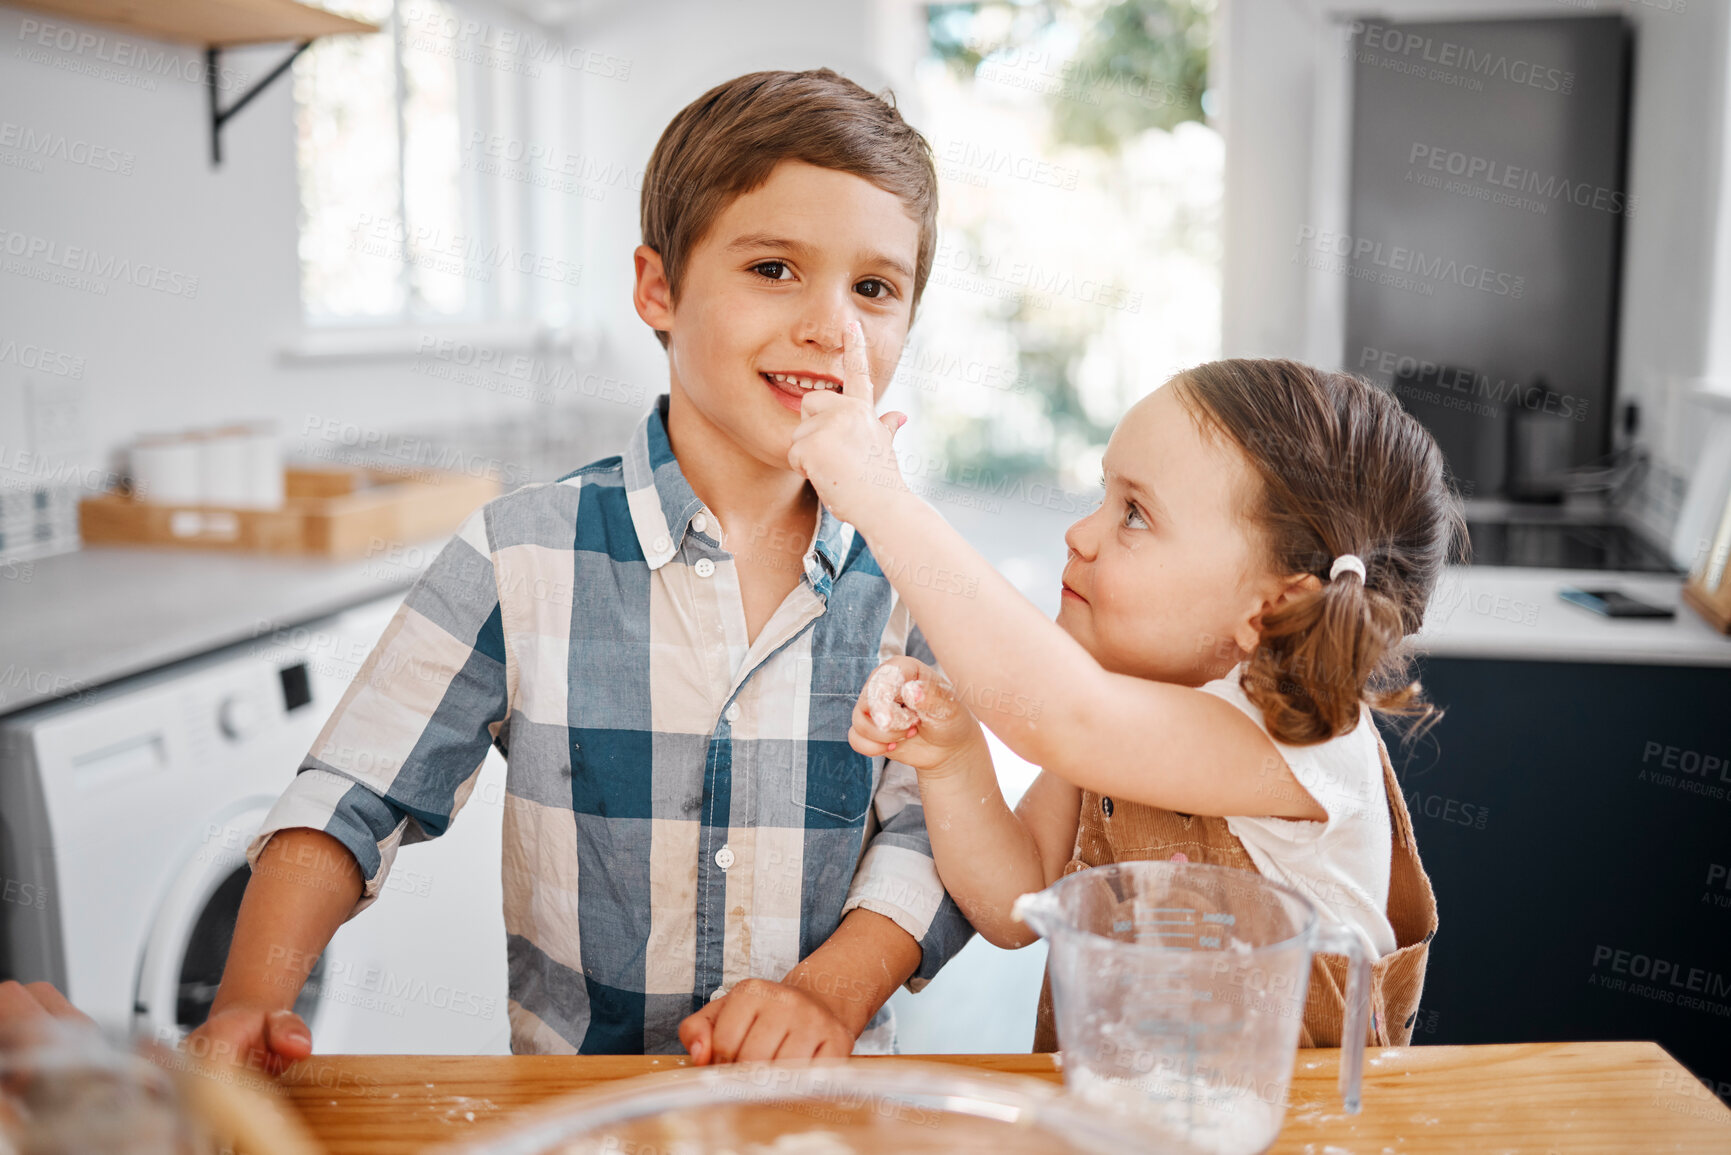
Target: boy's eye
772 270
1133 518
874 289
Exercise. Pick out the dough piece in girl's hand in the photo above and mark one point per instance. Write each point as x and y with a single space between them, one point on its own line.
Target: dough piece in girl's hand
882 692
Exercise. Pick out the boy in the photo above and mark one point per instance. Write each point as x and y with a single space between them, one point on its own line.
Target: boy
668 646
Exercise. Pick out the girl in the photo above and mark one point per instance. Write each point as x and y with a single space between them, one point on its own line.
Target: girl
1230 617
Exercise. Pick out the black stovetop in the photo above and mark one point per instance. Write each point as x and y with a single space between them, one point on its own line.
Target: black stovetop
1565 545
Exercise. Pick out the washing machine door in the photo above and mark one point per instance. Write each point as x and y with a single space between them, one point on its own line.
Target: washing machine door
189 938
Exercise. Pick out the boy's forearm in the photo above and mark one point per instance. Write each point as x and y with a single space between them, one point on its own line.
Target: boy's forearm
985 856
858 968
302 889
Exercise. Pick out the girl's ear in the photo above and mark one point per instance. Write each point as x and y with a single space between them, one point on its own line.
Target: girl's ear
651 295
1249 631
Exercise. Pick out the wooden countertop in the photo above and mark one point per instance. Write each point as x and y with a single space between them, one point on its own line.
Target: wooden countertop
1552 1098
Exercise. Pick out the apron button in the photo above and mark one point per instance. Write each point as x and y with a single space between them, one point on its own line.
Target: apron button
1180 857
1106 807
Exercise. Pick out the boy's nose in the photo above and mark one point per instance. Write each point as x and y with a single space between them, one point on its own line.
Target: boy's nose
822 322
822 333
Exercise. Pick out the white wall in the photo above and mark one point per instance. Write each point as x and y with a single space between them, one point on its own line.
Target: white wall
1276 58
149 360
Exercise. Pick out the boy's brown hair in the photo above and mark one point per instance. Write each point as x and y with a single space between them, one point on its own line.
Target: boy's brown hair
1342 469
725 143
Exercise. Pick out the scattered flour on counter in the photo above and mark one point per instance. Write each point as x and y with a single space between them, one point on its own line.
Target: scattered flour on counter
468 1106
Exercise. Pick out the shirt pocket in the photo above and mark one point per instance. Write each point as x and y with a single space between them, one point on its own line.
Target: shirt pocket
838 784
836 788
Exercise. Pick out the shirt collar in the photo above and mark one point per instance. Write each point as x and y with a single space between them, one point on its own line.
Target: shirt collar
660 499
656 490
834 536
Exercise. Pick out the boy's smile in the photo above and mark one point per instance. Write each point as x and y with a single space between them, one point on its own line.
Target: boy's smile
766 293
790 387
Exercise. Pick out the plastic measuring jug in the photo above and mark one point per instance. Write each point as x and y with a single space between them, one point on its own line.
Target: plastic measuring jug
1179 990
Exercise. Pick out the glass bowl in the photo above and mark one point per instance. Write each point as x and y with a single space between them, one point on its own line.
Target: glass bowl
820 1108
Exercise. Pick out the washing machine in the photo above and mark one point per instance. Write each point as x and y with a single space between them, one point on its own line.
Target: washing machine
125 813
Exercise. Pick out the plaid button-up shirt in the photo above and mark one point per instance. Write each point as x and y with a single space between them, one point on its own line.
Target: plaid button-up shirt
682 809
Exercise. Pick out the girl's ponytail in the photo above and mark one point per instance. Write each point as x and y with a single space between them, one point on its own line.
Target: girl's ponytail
1346 474
1319 656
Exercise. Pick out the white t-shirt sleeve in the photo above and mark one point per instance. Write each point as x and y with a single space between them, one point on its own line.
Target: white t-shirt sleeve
1342 863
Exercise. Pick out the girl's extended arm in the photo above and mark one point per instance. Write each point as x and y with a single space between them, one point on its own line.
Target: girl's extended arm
1053 704
1021 674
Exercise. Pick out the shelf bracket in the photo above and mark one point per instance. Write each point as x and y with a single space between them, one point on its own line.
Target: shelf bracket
220 116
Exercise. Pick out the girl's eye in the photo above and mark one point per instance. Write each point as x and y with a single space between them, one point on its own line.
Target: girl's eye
1133 518
771 270
874 289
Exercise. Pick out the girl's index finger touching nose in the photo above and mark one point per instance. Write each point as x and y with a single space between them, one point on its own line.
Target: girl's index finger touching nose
856 372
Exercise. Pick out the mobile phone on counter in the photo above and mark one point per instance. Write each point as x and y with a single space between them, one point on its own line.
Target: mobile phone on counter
1614 603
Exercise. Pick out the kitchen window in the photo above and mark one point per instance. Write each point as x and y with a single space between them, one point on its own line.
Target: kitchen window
1078 258
399 227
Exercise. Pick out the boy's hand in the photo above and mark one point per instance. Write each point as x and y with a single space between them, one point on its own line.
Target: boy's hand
36 1003
911 711
842 447
253 1037
759 1020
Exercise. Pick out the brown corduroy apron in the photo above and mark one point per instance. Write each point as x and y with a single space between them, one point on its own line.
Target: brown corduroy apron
1112 831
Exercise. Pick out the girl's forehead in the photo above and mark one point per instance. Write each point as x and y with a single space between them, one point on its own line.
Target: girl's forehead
1156 434
1161 445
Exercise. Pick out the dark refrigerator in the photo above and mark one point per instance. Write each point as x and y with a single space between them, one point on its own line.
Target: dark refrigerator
1486 219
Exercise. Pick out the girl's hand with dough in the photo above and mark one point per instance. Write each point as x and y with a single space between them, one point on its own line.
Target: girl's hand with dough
910 711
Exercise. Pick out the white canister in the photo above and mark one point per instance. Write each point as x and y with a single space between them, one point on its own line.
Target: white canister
222 461
166 470
264 467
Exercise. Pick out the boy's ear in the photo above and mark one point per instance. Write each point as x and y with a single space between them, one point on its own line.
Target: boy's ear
651 295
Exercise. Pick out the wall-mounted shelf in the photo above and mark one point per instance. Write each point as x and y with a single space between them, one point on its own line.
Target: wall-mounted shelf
215 25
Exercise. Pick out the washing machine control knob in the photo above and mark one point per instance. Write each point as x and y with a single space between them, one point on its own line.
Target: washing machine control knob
237 717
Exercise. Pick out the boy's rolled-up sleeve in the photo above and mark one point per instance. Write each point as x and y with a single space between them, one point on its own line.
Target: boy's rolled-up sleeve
399 755
897 877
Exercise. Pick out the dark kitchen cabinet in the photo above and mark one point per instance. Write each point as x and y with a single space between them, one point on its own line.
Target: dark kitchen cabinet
1575 820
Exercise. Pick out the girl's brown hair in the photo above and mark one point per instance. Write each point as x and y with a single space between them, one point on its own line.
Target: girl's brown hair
725 143
1343 470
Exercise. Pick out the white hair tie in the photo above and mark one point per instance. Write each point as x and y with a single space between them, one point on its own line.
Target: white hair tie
1347 562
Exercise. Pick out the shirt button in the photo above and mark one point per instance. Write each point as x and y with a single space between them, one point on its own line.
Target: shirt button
663 544
724 857
700 523
704 567
717 993
1106 807
732 712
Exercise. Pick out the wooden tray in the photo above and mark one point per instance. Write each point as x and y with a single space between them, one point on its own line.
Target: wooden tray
339 513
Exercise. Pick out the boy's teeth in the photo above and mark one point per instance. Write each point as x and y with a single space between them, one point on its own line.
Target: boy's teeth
806 383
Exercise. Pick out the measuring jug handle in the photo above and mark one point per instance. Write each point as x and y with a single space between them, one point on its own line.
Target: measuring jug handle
1337 939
